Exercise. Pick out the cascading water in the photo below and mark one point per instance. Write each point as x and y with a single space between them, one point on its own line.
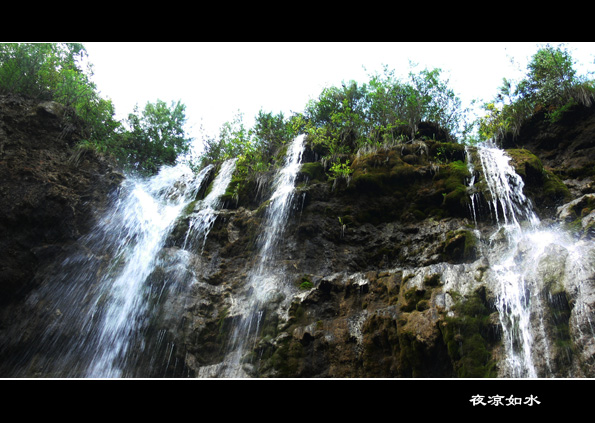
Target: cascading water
104 296
206 210
143 221
526 260
265 279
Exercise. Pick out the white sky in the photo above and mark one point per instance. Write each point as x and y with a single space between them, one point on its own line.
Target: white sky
215 80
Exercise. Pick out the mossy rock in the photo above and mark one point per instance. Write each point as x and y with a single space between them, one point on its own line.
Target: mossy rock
543 186
375 172
446 152
312 171
470 337
460 247
432 280
305 282
451 179
413 297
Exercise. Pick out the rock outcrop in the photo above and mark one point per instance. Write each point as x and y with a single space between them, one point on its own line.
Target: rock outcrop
388 272
50 191
387 268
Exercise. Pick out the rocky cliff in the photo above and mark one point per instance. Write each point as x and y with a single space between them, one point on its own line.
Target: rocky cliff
388 273
390 268
50 190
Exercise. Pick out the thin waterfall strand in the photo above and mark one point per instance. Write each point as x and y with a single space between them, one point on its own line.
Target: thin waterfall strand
264 279
204 217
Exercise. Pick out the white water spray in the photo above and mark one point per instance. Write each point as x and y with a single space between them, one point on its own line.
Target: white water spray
266 278
520 252
142 220
206 210
106 293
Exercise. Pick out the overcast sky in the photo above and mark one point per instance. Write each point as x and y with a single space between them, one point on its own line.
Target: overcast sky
216 80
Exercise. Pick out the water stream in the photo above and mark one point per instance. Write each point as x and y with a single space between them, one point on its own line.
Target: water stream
103 296
205 211
528 260
266 277
100 303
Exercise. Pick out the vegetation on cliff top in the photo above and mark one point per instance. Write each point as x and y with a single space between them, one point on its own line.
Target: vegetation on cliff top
57 72
551 85
341 122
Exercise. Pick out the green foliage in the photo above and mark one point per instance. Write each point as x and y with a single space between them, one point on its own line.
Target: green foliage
551 86
351 118
257 149
46 71
340 170
54 71
156 137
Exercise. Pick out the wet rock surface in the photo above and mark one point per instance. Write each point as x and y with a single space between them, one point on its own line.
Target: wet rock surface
389 273
50 191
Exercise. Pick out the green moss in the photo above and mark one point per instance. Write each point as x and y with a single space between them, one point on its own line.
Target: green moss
313 171
545 187
287 358
468 337
412 297
304 282
411 354
370 182
460 247
432 280
382 172
422 305
560 318
555 189
524 162
451 181
232 193
445 152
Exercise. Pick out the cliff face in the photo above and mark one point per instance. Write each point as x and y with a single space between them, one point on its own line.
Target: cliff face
389 273
392 271
49 191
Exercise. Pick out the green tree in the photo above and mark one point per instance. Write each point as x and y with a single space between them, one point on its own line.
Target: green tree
551 86
271 133
549 78
40 70
337 117
387 99
56 71
156 137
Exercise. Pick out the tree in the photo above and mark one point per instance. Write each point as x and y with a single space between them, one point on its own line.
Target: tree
387 99
431 100
336 121
271 132
39 70
551 86
54 71
156 137
549 79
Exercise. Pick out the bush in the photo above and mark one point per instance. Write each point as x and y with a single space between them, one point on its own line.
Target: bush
551 86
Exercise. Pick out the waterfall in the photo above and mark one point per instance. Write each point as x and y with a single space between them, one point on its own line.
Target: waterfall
206 210
527 260
508 202
143 221
266 278
105 294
